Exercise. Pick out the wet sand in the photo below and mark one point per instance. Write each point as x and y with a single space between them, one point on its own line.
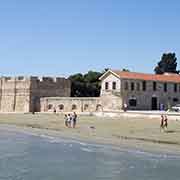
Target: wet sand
136 132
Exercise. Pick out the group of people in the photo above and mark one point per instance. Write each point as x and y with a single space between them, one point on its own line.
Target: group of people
70 120
164 123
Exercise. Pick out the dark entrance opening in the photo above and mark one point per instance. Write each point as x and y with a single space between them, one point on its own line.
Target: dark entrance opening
154 103
36 104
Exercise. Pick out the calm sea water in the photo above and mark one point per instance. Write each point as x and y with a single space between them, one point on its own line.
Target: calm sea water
30 157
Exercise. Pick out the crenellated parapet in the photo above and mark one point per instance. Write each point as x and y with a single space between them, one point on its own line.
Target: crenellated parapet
50 82
55 81
23 93
17 78
47 79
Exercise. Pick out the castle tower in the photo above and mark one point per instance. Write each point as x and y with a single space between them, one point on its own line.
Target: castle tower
22 94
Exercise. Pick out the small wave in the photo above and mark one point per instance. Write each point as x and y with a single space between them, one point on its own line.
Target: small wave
46 136
83 144
87 150
55 141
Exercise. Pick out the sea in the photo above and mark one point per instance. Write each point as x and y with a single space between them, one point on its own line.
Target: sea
28 156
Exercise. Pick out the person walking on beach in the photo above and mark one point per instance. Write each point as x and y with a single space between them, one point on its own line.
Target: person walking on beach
74 120
162 123
66 120
69 119
166 122
125 107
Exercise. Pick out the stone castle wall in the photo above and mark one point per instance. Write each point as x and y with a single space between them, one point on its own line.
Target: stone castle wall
81 104
22 94
69 104
14 94
48 87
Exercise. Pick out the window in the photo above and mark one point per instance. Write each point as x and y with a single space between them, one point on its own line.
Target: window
175 99
74 107
133 102
50 106
86 107
144 85
132 86
114 85
175 87
165 87
106 85
138 86
154 86
126 86
99 107
61 107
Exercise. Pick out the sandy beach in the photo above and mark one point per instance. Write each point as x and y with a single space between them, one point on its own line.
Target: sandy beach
124 131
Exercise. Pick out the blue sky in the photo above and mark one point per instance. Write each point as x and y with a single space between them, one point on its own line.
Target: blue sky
62 37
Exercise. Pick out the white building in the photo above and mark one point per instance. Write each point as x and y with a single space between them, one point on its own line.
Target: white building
140 91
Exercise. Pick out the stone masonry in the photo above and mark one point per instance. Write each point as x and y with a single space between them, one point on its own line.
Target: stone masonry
69 104
22 94
140 91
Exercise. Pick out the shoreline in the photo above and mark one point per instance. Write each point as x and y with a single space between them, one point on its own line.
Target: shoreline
131 132
118 144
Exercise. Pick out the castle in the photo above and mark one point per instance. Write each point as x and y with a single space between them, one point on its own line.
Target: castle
139 91
22 94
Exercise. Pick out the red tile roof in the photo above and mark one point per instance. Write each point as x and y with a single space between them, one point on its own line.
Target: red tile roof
167 77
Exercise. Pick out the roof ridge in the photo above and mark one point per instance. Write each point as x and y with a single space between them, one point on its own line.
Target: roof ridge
165 74
175 78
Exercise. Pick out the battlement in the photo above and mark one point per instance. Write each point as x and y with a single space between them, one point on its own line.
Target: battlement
47 79
35 82
23 93
43 79
12 79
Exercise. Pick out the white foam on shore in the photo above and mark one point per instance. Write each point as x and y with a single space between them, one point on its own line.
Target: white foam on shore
46 136
87 150
98 147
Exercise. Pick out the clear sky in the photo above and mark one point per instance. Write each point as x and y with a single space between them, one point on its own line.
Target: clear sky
62 37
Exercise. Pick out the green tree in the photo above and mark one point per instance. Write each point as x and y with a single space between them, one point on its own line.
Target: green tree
92 76
86 85
77 77
168 63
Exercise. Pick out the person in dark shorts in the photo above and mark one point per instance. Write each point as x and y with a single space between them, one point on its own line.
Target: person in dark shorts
74 119
162 123
166 122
